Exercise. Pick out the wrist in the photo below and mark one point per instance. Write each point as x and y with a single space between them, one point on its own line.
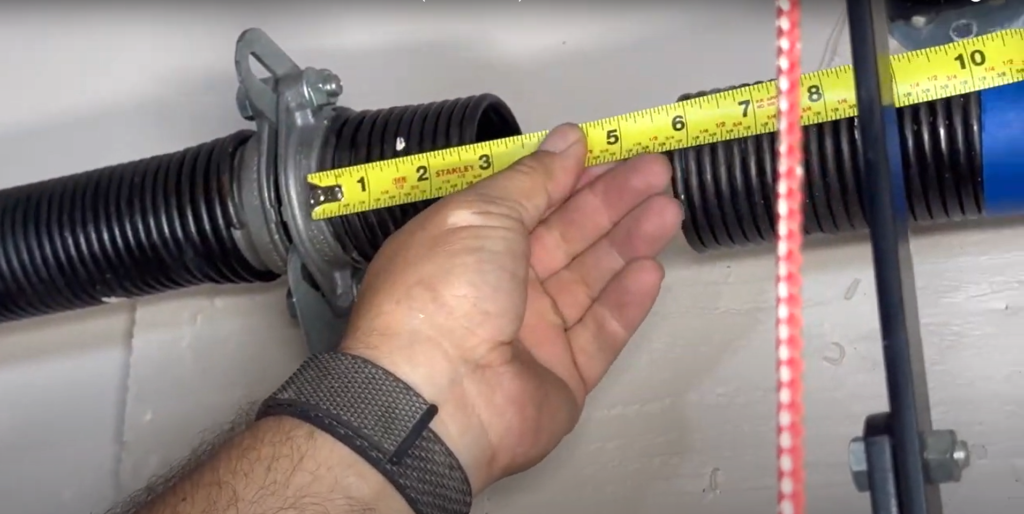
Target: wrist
312 464
440 380
282 464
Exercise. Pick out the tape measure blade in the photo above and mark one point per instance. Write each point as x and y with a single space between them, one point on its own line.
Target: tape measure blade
919 76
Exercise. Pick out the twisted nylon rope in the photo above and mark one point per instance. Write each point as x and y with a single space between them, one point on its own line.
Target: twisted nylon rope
789 223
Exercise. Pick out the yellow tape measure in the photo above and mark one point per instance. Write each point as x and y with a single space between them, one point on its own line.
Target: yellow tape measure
919 76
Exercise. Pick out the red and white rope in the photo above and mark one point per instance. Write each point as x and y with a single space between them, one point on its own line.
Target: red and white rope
789 228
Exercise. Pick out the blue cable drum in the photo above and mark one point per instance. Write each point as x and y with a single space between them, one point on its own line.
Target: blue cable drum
1002 149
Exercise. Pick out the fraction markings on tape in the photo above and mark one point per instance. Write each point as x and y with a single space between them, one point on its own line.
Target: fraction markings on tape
918 76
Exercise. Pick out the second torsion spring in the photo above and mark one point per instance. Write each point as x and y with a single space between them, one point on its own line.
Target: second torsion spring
728 188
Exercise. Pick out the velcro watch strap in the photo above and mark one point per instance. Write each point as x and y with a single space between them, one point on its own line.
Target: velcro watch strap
382 419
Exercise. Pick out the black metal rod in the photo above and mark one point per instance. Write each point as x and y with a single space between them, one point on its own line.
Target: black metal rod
882 479
890 248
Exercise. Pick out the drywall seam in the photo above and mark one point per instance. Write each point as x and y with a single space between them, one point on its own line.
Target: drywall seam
123 400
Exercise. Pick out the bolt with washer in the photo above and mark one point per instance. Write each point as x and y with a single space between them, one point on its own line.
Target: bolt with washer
945 458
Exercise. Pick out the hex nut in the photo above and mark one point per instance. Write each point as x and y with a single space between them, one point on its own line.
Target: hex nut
322 86
331 83
945 456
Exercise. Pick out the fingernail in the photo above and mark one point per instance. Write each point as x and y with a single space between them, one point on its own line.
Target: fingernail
561 138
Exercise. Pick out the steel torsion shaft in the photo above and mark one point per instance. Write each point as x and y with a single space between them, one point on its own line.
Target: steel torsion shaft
728 187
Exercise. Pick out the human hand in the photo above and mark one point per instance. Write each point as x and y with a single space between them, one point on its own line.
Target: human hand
506 303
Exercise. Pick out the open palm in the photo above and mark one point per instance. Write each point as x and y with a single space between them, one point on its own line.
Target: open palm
506 303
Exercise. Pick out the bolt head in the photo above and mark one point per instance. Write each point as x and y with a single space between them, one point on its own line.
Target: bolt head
322 86
858 459
331 84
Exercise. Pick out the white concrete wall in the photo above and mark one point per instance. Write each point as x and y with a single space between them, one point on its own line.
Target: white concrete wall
93 403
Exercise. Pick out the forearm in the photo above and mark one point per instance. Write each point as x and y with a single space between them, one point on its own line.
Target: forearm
281 465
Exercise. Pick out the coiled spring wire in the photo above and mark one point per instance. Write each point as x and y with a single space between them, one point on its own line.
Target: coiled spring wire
727 187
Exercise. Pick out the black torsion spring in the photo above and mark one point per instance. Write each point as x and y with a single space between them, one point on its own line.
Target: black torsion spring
728 188
369 136
128 230
168 222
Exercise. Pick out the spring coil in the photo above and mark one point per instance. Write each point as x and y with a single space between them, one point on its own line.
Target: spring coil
123 231
367 136
727 187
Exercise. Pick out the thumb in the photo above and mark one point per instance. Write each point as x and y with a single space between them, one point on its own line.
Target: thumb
541 181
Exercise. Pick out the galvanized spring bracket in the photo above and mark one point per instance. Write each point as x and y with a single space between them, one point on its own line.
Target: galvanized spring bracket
292 107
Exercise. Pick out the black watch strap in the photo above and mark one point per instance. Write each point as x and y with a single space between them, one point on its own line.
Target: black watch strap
382 419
